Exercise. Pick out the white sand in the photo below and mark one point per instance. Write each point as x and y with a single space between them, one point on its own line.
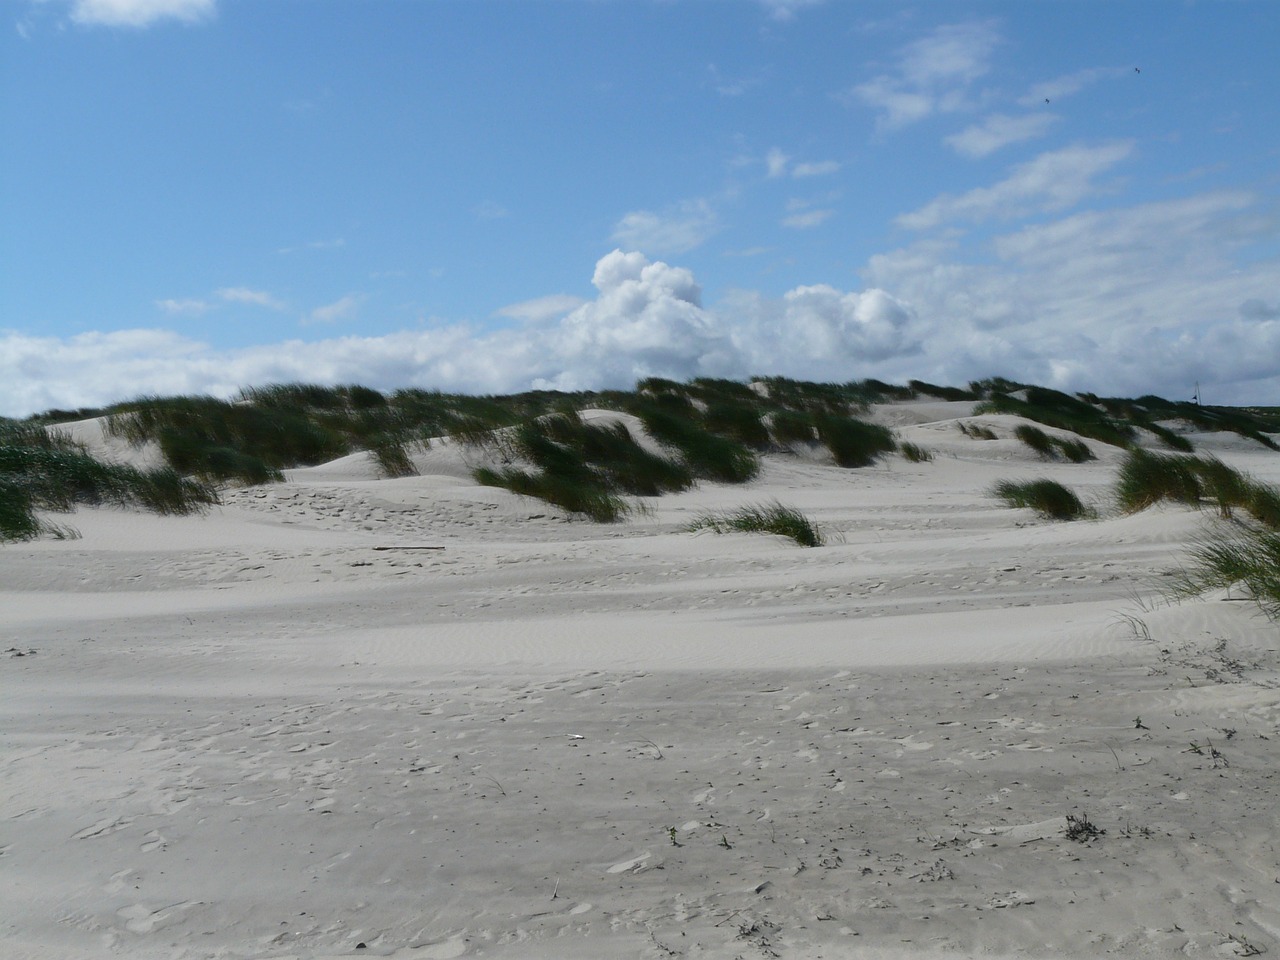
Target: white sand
252 734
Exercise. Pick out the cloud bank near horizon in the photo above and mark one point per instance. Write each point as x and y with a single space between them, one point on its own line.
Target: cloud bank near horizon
1069 304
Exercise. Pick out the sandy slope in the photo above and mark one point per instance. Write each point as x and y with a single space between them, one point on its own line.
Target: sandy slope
254 734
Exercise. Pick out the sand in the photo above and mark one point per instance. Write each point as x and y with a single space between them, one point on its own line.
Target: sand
956 730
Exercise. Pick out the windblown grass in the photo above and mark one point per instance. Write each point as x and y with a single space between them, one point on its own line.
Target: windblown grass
583 468
770 517
913 452
1053 448
853 442
1147 478
708 455
1236 554
1062 411
40 470
1048 498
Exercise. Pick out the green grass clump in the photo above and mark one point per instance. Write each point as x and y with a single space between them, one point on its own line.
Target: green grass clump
914 453
853 442
942 393
1173 441
791 426
1048 498
1263 502
770 517
591 501
976 432
45 471
707 455
1061 411
1036 439
583 468
1076 450
1146 478
1234 554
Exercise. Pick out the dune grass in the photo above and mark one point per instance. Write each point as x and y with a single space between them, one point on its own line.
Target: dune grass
1048 498
1147 478
43 470
706 454
976 432
583 468
711 429
914 453
772 517
1235 554
1053 448
853 442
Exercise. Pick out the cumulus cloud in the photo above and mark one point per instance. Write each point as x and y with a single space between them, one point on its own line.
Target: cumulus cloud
1141 299
140 13
1130 300
677 229
932 74
997 131
647 319
1051 182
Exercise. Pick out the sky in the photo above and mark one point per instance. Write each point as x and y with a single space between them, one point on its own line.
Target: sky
489 196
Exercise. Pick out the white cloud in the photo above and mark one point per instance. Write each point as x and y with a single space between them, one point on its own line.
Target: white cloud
1126 301
1067 84
999 130
1051 182
775 162
676 230
541 309
646 319
1142 299
820 168
190 307
809 218
933 74
140 13
254 297
341 309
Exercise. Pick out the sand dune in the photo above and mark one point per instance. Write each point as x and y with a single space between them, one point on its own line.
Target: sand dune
284 729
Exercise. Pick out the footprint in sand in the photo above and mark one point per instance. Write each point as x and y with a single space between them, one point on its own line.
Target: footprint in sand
141 919
634 864
102 828
153 841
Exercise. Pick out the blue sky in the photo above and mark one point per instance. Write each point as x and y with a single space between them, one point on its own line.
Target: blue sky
199 195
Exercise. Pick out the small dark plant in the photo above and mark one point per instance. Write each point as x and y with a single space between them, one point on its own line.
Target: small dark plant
1081 829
